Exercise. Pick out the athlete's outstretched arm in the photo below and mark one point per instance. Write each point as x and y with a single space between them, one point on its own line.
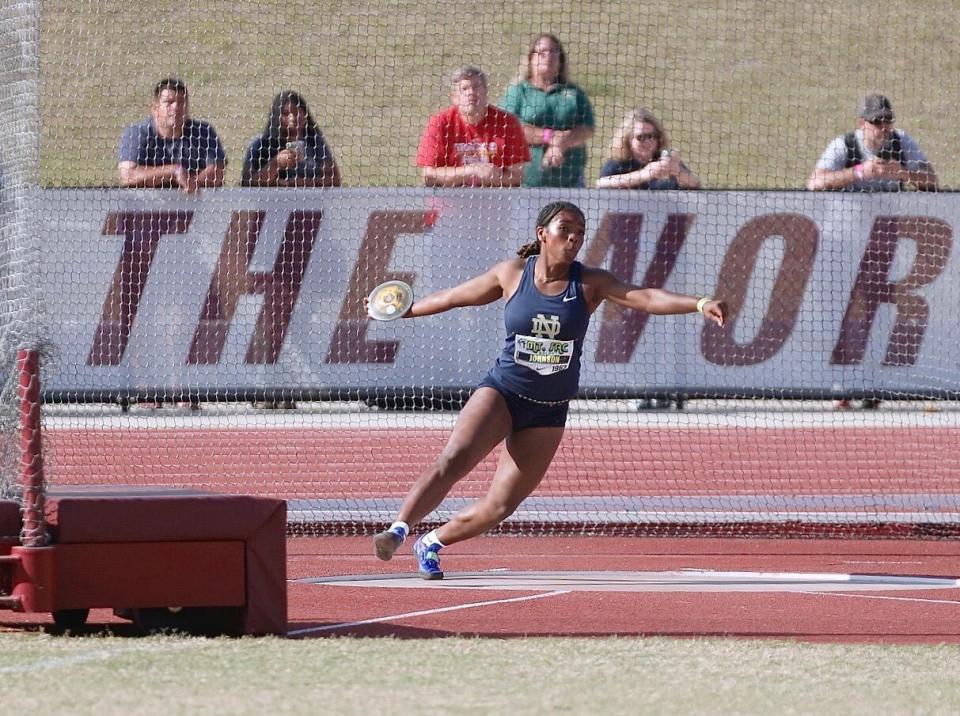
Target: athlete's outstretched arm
478 291
653 300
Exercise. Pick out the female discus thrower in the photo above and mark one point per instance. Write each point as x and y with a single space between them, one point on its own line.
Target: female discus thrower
524 398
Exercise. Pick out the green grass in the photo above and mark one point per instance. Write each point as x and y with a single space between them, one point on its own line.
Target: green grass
172 675
751 91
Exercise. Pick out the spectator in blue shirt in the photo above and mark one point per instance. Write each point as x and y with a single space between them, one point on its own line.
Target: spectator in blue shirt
641 157
169 149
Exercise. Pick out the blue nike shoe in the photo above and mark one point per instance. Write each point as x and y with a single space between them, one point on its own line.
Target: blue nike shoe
428 559
385 543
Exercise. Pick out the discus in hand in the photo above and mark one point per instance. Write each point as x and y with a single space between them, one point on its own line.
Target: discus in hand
389 301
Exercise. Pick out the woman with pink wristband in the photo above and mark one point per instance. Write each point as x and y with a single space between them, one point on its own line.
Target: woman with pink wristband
556 115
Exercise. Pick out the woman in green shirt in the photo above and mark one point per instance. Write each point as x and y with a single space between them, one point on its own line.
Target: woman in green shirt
556 115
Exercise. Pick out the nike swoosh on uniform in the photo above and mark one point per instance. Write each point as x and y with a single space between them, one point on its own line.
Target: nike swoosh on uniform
570 298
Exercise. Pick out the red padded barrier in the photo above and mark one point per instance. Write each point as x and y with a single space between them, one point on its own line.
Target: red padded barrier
194 574
210 538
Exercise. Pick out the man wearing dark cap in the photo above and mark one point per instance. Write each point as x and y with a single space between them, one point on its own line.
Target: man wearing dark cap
875 157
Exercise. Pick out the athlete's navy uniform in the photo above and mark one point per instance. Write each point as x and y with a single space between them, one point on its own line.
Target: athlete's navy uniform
539 370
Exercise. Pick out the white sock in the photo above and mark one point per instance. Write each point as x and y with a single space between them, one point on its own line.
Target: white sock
401 527
431 538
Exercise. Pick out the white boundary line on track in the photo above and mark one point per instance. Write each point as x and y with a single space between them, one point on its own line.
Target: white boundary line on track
422 613
681 580
923 600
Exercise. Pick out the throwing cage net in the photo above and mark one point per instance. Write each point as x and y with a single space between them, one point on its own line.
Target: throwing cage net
214 337
22 324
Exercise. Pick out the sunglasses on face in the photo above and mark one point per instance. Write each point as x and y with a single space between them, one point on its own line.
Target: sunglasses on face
881 122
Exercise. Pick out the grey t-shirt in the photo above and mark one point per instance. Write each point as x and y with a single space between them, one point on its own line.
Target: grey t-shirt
834 158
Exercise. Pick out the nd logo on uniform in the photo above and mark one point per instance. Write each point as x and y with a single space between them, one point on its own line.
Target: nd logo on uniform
544 327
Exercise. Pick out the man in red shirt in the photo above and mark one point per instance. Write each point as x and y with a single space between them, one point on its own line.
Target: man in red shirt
472 143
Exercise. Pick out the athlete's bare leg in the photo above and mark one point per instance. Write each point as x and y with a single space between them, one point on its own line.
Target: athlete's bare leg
524 461
483 422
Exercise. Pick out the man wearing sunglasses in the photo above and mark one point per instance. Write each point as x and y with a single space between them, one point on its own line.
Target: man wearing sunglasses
875 157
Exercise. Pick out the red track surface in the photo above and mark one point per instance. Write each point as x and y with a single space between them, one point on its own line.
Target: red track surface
646 461
672 461
909 616
889 616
